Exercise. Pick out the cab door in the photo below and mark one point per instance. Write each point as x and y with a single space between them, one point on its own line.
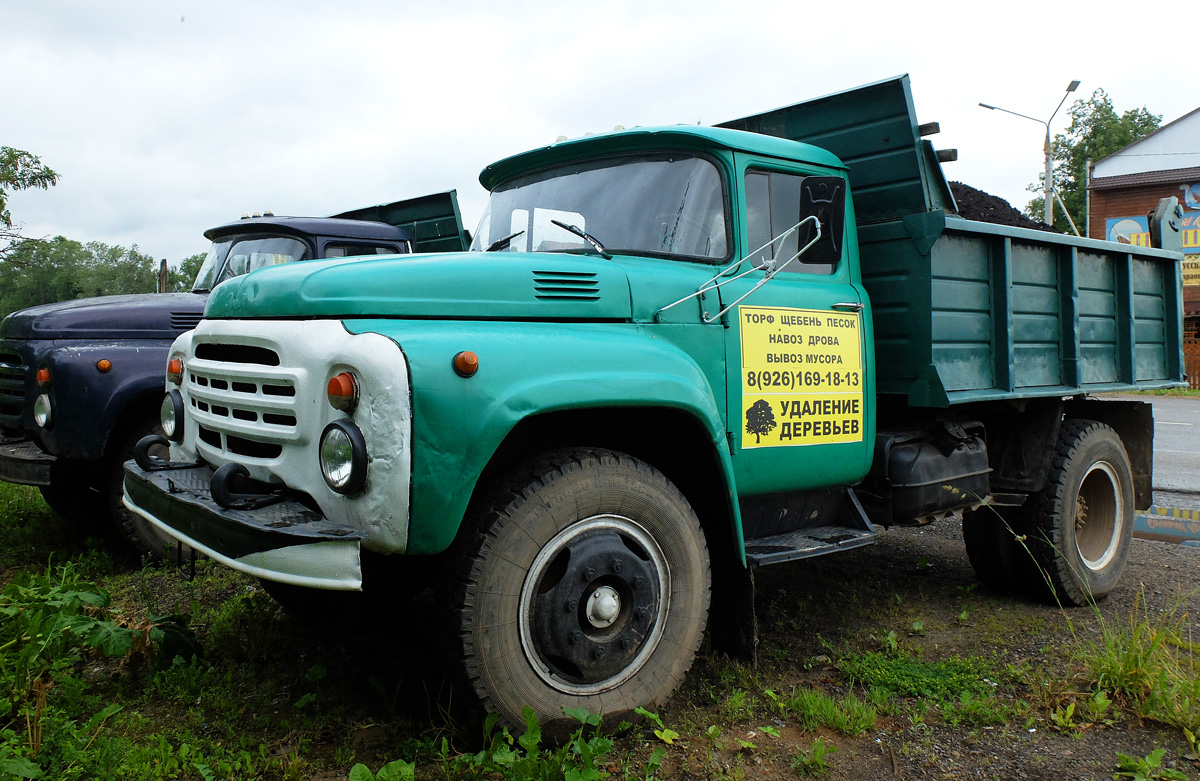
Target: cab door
799 371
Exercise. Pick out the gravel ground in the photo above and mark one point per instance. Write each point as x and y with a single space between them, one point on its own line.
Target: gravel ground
923 574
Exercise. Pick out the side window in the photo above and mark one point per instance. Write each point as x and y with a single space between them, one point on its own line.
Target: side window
354 250
773 206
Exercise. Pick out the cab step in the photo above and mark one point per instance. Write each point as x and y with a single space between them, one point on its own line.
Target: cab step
855 531
806 543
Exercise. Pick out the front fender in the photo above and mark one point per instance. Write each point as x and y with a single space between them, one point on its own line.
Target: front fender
88 404
527 369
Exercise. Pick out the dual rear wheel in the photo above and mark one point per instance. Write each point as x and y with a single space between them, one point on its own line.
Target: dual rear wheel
1071 540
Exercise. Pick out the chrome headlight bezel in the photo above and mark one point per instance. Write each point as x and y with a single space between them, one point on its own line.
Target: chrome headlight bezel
171 416
43 411
342 456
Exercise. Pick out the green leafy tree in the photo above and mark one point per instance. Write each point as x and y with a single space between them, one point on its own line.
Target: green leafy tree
1096 131
19 170
59 269
183 278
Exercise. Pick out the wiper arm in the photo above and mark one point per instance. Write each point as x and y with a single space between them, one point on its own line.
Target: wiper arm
502 243
581 233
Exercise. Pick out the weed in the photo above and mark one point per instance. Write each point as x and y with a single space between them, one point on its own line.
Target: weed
902 675
663 733
1063 719
810 763
973 709
1097 709
1148 768
812 709
1147 662
397 770
738 706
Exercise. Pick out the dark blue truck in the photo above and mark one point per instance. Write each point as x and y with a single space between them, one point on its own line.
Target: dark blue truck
81 381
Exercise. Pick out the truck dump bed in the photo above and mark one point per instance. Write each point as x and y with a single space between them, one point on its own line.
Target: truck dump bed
968 311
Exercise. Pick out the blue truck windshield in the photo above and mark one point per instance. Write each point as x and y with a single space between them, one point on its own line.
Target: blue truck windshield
662 205
235 256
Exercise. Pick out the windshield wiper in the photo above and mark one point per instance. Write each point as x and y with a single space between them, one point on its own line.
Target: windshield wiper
581 233
501 243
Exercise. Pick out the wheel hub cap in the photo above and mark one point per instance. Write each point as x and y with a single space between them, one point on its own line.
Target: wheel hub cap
593 604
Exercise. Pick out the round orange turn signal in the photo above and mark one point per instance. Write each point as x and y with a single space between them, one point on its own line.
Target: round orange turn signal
466 363
342 391
43 376
103 364
175 370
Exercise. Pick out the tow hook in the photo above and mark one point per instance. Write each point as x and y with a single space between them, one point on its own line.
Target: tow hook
224 496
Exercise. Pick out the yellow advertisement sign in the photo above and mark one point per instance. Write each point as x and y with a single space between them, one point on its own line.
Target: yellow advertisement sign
802 376
1191 273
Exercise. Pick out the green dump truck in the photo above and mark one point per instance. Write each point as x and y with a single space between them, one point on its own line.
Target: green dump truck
674 355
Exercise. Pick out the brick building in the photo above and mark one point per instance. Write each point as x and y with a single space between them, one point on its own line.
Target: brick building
1126 185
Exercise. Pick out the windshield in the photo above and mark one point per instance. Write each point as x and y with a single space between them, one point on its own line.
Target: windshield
662 205
238 255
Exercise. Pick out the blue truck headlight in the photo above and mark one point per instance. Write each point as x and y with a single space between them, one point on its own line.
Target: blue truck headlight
41 411
343 456
170 416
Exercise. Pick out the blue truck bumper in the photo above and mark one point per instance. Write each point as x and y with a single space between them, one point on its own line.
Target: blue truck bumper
285 542
23 462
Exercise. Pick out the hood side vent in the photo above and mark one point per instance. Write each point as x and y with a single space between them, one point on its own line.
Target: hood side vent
566 286
186 321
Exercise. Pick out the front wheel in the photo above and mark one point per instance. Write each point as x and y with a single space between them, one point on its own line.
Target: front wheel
585 585
1082 522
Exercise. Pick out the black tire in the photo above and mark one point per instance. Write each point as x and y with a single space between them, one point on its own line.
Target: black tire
990 542
1082 522
142 538
584 584
73 498
997 542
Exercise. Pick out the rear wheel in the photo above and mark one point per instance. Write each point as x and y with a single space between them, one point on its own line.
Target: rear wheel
992 548
1082 522
585 585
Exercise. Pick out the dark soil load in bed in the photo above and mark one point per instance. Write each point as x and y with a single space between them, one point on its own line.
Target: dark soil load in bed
977 205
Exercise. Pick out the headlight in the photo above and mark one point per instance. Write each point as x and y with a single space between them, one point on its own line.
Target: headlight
41 411
343 455
170 416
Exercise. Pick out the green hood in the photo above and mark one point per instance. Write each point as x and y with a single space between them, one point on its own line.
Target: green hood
498 285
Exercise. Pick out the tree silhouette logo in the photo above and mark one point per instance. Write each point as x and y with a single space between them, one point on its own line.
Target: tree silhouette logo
759 420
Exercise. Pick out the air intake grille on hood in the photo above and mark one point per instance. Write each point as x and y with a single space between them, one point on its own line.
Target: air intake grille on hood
566 286
186 321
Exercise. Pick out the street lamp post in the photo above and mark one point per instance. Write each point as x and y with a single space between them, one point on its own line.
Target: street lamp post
1048 190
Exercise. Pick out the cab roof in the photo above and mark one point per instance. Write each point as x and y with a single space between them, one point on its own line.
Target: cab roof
331 227
692 137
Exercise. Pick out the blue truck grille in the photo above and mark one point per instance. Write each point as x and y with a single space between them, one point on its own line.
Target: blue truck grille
12 384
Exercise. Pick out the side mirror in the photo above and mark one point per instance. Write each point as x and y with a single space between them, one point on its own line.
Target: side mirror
823 197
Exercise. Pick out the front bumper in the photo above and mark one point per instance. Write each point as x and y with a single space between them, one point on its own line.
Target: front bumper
285 542
23 462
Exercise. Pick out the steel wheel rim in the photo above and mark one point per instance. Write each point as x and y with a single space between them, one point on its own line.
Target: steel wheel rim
1099 516
594 621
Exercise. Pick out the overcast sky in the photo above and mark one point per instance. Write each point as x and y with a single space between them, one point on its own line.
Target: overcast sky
167 118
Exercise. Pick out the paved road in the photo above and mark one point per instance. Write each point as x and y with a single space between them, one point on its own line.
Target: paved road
1176 450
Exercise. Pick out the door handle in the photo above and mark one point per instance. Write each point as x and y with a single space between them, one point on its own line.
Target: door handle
850 306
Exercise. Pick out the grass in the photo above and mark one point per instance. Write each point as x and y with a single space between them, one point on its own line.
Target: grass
217 682
1147 662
